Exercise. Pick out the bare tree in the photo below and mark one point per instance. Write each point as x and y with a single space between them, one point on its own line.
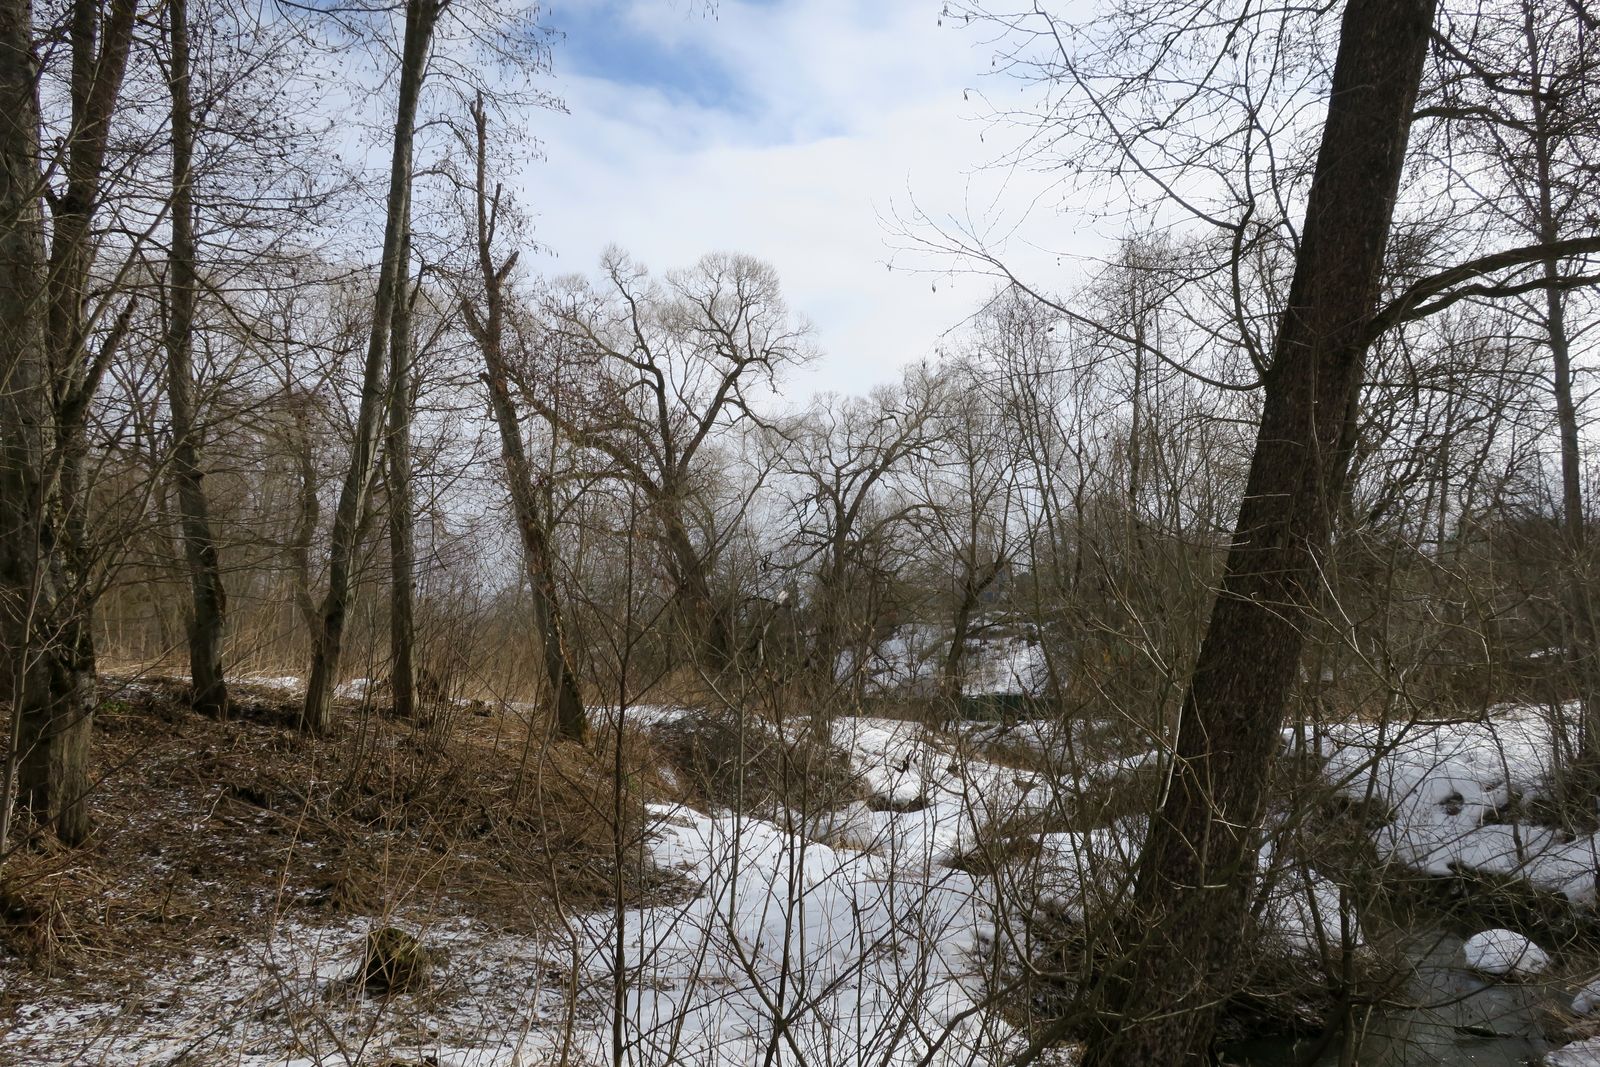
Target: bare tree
1522 106
210 692
532 516
32 593
420 18
54 370
647 373
842 455
1194 879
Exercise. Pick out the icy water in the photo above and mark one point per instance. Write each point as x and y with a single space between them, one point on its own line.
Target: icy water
1454 1016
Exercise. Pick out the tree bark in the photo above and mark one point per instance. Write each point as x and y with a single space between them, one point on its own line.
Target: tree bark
328 640
402 534
50 385
705 622
27 540
572 720
308 511
1195 875
975 581
207 595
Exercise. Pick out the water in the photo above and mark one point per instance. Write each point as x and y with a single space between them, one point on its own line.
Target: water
1450 1015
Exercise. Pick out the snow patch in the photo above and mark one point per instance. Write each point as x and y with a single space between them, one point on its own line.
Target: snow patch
1505 953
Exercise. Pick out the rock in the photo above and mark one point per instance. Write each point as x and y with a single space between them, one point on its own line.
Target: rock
1504 953
393 961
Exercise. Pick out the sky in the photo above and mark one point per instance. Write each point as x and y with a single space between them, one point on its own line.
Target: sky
795 131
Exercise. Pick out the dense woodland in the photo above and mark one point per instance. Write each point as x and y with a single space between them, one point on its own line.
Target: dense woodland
313 489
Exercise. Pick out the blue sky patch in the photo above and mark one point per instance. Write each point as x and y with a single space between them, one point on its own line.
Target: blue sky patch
601 40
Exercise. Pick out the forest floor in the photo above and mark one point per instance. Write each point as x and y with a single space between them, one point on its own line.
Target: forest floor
231 859
864 894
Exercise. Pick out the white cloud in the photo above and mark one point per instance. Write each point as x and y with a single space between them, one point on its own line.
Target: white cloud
846 111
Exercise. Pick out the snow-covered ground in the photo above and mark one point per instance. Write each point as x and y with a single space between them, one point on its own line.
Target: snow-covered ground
821 938
1446 786
911 659
285 1003
846 936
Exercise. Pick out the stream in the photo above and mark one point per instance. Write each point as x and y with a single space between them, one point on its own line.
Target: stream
1454 1016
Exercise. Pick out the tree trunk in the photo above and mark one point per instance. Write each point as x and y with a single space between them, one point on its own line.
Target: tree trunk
208 597
402 535
27 590
1195 875
307 514
328 640
1583 629
572 720
952 674
50 385
975 581
706 623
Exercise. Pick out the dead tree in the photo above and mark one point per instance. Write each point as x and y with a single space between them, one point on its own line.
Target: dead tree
532 516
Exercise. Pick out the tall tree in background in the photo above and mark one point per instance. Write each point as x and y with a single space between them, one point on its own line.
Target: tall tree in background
209 599
968 481
1526 103
841 455
658 371
327 642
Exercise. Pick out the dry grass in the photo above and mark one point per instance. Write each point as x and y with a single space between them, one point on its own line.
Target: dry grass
208 833
723 760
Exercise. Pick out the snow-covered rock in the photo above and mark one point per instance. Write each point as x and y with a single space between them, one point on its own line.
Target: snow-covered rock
1577 1054
853 826
1447 786
1587 1002
1504 953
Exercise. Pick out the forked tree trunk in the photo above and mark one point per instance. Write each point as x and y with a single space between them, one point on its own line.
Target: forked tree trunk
538 557
207 595
328 640
1190 911
49 386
